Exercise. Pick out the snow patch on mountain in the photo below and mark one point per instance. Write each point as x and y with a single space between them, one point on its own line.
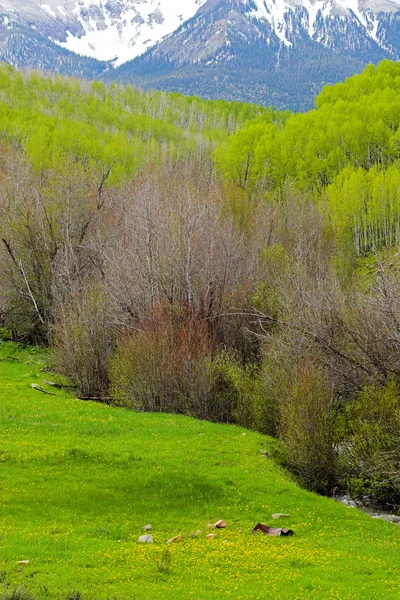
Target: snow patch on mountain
101 29
275 13
49 10
122 31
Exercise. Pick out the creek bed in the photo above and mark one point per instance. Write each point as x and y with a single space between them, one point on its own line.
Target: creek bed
370 510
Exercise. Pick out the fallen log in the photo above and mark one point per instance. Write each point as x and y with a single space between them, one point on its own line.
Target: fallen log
59 386
37 387
105 400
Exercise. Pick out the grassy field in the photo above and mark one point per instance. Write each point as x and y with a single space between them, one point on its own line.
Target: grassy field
79 480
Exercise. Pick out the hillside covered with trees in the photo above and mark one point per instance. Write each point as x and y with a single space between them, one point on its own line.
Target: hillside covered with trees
219 260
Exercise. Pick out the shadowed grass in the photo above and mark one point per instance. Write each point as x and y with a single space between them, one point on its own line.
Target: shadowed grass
79 480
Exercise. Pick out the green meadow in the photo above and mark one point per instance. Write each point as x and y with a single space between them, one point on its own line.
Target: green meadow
79 480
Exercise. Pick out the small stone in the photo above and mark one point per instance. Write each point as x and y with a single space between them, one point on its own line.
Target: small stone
210 526
175 540
211 536
147 528
220 524
280 516
263 452
146 539
195 534
23 562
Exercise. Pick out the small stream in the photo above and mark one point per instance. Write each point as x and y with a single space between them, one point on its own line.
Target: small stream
369 510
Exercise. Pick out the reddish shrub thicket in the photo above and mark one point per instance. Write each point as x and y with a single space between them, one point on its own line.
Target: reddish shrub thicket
168 367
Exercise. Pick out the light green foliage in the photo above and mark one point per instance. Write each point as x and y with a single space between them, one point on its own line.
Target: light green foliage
248 159
80 480
367 205
113 126
349 147
372 79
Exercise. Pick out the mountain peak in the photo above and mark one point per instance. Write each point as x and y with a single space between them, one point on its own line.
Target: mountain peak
113 30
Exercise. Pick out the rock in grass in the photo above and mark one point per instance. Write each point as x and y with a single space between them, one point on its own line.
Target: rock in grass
272 531
211 536
175 540
23 562
280 516
195 534
220 524
147 528
146 539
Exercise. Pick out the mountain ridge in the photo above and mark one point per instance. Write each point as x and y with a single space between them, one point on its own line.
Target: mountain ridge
227 49
116 30
279 52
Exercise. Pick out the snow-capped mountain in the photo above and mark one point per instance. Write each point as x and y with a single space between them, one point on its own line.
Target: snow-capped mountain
101 29
272 51
334 24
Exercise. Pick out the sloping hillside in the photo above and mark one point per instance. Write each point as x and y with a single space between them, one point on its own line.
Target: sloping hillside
80 480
